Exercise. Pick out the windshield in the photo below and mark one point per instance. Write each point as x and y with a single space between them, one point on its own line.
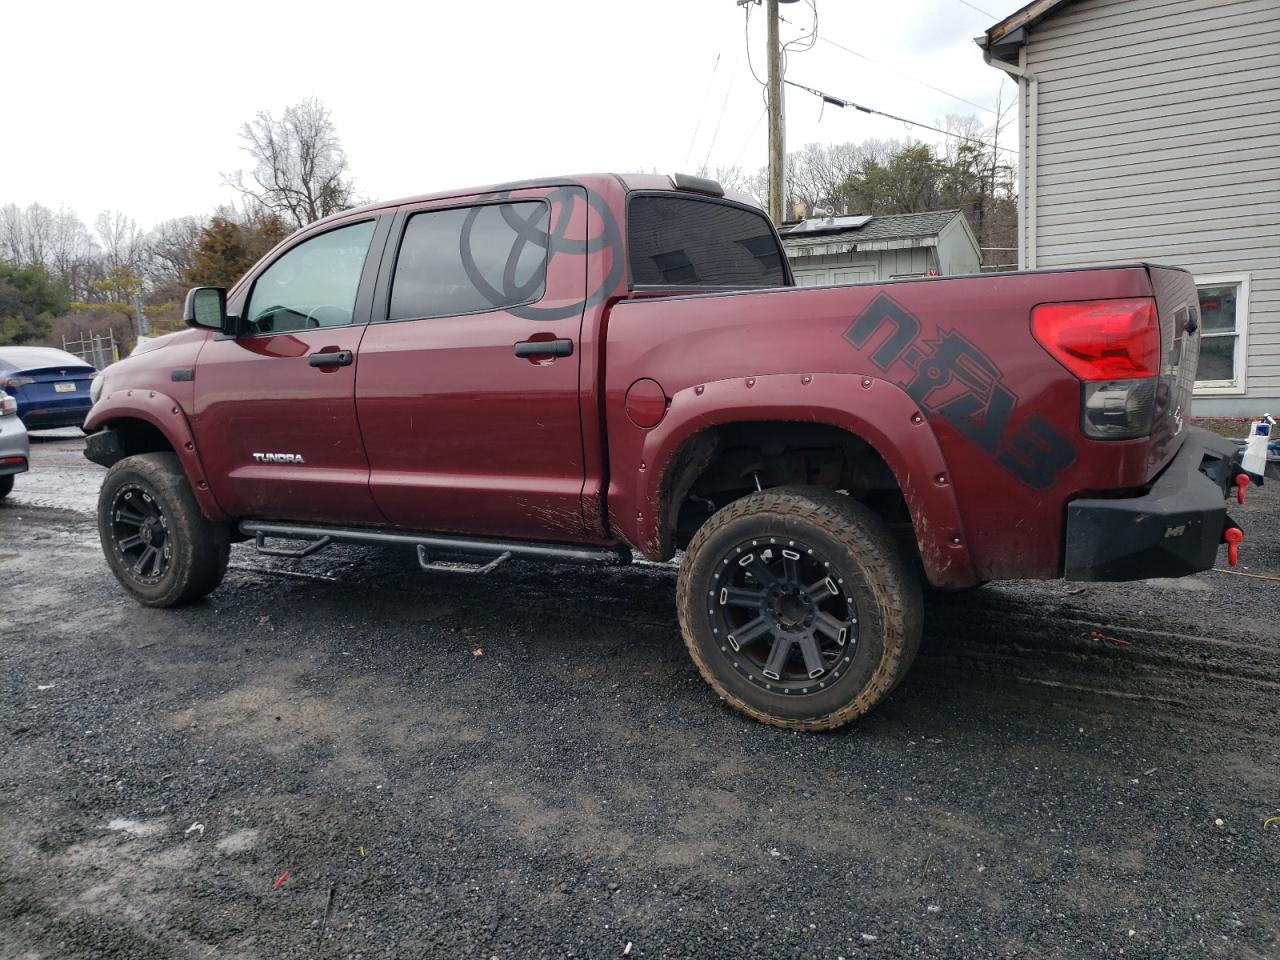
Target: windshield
688 241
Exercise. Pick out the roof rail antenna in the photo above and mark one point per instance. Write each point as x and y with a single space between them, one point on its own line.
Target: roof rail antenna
686 181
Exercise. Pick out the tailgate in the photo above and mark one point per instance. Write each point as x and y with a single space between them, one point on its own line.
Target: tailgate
1179 308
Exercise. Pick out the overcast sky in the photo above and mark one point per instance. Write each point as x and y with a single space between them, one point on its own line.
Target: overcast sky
136 106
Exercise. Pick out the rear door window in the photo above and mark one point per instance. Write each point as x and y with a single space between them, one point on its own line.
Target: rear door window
471 260
683 241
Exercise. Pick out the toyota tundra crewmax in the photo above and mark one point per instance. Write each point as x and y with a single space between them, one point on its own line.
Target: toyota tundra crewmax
587 369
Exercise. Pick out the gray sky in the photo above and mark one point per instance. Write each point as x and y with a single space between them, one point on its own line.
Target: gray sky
136 106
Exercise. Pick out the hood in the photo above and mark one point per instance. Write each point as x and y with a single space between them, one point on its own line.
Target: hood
147 344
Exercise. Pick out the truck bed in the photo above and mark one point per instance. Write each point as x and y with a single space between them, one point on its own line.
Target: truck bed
943 376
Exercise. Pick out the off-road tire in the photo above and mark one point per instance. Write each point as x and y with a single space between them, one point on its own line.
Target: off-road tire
6 485
881 580
198 547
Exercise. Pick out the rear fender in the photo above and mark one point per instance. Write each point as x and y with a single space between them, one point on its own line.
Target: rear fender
886 417
165 414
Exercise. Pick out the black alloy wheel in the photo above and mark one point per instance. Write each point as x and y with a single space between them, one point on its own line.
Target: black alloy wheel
785 622
800 607
140 533
157 541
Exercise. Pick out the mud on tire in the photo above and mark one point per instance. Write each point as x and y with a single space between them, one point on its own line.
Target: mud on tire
799 607
161 548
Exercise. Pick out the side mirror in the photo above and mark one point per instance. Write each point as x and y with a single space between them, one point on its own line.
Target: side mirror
206 307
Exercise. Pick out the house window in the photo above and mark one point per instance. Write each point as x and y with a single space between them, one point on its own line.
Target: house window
1224 315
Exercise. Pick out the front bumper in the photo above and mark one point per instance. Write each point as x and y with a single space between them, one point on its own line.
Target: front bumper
14 447
1171 531
103 447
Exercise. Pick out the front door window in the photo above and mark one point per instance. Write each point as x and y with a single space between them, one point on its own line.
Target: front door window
313 285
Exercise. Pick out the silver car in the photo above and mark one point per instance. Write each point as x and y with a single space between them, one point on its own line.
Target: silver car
14 449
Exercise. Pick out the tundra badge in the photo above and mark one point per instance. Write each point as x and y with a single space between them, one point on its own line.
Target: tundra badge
279 458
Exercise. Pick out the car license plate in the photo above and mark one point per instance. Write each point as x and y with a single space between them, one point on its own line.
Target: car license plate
64 388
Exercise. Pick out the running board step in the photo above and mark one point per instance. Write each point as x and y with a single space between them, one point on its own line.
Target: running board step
472 569
314 546
426 544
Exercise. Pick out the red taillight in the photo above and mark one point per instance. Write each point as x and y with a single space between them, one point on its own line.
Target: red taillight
12 383
1101 339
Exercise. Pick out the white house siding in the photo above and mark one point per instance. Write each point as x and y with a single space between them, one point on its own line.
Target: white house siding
1159 139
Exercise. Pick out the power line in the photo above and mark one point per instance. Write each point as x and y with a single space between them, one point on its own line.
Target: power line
746 29
923 83
838 102
806 40
979 9
701 112
901 73
716 136
750 136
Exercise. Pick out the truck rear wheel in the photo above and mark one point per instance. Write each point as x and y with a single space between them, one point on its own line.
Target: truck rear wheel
159 545
799 607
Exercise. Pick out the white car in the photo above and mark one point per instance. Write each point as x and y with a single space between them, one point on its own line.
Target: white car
14 448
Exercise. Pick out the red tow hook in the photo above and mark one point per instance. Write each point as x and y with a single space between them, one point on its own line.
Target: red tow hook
1242 481
1233 536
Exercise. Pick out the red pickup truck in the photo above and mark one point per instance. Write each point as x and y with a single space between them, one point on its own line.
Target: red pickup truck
588 368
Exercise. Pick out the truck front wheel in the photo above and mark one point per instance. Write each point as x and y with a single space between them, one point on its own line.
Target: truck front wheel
159 545
799 607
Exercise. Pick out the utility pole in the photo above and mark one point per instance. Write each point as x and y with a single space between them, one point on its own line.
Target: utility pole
144 328
777 130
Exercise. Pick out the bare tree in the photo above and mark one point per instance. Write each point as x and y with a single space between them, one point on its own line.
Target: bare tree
998 232
300 172
73 255
12 231
123 242
25 234
757 184
817 173
730 177
40 223
59 242
171 247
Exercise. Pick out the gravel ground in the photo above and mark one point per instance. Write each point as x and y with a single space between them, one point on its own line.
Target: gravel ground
344 757
1235 428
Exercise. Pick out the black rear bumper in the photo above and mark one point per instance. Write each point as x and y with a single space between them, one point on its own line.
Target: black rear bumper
1171 531
53 418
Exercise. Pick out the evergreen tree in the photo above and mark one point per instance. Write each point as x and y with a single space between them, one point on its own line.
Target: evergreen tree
29 299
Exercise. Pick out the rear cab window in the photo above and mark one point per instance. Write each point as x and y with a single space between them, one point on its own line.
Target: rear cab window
682 241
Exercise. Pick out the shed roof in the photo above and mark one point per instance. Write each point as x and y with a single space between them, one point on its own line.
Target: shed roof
894 226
